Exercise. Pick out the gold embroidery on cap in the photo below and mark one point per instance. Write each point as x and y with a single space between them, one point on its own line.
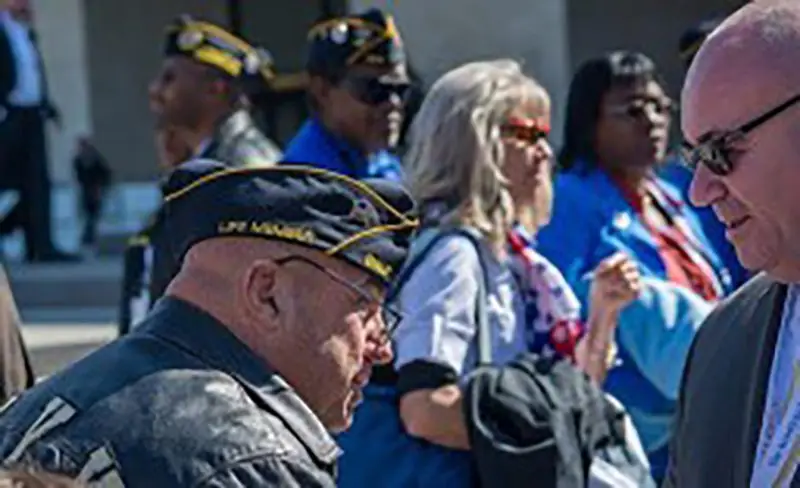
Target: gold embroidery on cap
220 59
374 263
288 232
288 168
232 227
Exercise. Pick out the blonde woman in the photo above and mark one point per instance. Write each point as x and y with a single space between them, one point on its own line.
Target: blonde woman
479 161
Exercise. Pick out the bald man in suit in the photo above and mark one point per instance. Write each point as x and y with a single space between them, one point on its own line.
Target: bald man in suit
739 406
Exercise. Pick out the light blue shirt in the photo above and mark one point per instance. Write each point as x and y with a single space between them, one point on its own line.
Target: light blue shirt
776 449
28 90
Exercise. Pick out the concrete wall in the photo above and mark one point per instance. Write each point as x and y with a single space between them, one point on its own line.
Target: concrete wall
125 42
283 32
650 26
62 33
443 34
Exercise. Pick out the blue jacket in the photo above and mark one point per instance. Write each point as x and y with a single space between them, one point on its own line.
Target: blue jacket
592 220
681 178
315 145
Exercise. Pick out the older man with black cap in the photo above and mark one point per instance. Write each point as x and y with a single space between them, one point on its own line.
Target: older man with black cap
258 350
358 83
199 96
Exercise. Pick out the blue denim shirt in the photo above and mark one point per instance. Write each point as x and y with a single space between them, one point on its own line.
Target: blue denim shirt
178 402
315 145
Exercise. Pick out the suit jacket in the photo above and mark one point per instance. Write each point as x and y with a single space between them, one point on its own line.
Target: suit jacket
8 68
724 389
8 71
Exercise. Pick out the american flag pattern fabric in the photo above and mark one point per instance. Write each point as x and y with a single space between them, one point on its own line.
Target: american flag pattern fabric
552 311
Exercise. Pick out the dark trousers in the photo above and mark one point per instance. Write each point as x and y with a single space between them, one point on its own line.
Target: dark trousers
92 206
23 167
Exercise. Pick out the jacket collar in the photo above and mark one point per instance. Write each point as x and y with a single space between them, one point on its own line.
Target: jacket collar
351 157
198 333
767 306
230 127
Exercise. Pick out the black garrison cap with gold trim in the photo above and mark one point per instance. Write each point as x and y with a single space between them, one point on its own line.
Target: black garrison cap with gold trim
369 39
212 45
368 223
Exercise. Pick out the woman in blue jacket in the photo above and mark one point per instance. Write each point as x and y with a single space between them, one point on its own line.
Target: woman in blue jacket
608 199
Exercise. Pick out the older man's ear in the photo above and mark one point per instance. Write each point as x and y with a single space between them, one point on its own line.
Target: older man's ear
259 286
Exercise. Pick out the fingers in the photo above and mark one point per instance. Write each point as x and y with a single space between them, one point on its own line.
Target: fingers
612 262
621 280
618 266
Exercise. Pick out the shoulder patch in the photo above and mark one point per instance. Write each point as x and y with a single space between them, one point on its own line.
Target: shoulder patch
55 414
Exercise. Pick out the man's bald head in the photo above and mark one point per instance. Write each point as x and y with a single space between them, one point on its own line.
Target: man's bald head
230 254
752 59
747 67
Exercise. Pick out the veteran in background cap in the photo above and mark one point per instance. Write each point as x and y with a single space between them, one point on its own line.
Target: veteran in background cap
199 99
357 87
257 352
202 88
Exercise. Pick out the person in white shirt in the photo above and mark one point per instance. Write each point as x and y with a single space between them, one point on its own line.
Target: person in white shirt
739 412
24 109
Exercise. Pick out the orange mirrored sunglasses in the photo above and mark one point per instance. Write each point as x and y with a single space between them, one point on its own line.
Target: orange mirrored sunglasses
524 129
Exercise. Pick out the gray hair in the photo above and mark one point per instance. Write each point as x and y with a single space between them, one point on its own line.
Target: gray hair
456 155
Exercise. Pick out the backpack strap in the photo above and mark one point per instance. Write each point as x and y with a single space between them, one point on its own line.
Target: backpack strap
483 332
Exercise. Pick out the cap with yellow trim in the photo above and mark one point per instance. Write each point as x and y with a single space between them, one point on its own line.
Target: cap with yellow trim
370 39
212 45
368 223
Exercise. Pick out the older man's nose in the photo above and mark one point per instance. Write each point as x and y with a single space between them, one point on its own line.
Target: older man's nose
706 188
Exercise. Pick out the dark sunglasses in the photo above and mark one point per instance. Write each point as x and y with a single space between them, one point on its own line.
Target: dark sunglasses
374 91
525 130
391 316
714 149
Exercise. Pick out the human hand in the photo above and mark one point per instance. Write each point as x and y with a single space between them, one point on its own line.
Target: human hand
615 284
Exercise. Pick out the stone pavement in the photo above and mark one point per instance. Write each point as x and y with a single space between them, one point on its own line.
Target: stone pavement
54 345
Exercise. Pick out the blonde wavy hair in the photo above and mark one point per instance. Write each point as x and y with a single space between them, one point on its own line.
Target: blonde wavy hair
456 155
